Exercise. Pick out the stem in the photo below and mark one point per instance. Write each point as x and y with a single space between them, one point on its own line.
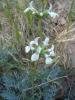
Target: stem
69 15
49 81
41 34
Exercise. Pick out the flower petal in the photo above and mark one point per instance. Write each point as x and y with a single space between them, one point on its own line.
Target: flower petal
39 49
27 49
51 49
32 42
31 8
46 55
35 57
46 41
52 53
48 60
52 14
50 8
32 45
34 11
36 40
31 4
26 10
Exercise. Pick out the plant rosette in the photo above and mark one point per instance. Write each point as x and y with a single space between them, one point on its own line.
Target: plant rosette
41 50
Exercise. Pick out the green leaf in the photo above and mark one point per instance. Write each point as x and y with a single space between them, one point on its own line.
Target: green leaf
0 27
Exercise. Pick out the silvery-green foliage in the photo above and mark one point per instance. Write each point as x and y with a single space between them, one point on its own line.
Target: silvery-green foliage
5 58
16 84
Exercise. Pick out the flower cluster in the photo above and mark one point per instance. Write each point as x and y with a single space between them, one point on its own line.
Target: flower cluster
41 50
35 11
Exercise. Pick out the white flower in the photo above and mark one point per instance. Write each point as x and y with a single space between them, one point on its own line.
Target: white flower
51 51
35 57
51 13
46 41
35 41
31 45
48 60
27 49
30 8
34 11
47 53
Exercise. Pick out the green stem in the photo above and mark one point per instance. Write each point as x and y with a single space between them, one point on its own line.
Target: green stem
42 84
70 14
40 32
